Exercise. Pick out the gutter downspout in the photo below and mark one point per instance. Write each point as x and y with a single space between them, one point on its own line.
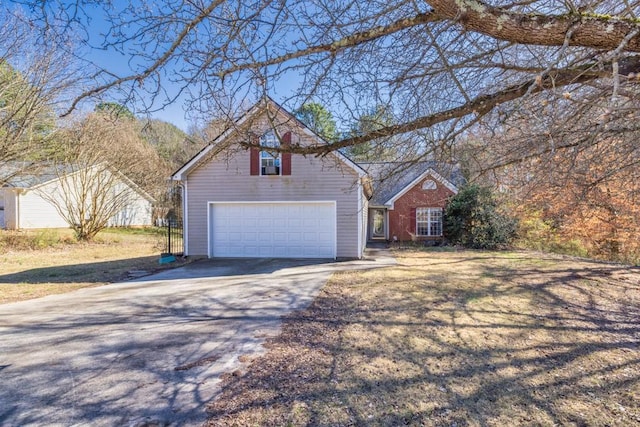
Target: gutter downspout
185 213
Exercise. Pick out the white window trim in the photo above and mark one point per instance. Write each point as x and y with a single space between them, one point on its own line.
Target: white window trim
429 221
278 156
429 185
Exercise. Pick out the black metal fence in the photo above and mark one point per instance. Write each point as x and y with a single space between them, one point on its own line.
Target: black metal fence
173 221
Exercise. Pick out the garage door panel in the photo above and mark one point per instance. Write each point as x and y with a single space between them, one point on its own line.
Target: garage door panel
295 229
325 238
310 237
294 237
294 222
294 251
264 222
279 237
265 236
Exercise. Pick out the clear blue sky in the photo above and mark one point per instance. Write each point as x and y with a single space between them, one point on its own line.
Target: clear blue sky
119 64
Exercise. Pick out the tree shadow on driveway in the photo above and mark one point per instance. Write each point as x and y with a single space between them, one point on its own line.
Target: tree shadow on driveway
149 349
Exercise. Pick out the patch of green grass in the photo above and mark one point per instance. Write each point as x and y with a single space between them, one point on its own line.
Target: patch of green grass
140 231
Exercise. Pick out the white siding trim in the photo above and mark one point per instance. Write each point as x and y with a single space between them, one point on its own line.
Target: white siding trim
269 202
360 219
181 173
185 219
335 229
17 207
209 230
178 175
412 184
386 224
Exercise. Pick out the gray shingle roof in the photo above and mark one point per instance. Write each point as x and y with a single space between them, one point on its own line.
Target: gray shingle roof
389 178
26 175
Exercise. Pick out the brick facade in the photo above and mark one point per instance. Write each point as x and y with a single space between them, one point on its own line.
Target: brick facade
401 219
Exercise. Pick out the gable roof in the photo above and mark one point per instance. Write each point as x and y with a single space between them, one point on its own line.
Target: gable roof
28 175
258 108
390 180
39 175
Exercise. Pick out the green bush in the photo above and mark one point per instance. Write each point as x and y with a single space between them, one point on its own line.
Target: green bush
474 219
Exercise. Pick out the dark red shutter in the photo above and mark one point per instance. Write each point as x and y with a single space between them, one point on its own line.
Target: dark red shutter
254 161
412 221
254 168
286 157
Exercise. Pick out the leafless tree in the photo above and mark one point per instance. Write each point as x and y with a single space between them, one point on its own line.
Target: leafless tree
34 80
103 167
441 65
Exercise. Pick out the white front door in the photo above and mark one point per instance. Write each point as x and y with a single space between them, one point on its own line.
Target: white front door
272 229
378 224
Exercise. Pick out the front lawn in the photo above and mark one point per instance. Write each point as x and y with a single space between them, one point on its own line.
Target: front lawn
452 339
44 262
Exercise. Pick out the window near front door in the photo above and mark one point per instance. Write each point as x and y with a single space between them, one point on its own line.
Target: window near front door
269 160
429 221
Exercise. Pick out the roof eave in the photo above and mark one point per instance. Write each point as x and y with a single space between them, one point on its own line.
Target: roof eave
390 203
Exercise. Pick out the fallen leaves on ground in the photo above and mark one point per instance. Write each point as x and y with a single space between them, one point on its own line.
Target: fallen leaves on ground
452 338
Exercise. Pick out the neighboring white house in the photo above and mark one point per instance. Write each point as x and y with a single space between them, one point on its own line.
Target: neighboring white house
27 200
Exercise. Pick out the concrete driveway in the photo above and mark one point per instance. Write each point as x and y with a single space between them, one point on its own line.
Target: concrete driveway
150 351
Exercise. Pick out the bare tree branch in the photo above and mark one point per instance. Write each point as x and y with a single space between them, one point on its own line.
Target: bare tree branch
591 30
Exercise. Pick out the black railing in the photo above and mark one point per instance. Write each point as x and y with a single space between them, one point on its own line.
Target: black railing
174 244
172 221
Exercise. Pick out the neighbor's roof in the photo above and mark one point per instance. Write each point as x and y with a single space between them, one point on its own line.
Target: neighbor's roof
28 175
390 178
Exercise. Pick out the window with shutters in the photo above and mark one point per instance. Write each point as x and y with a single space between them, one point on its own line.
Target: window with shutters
269 159
429 221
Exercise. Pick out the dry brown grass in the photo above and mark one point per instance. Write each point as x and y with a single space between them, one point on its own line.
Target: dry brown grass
453 339
60 265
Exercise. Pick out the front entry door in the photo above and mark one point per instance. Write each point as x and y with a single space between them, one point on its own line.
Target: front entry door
378 224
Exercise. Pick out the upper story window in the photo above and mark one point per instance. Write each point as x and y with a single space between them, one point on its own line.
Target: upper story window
269 159
429 185
266 160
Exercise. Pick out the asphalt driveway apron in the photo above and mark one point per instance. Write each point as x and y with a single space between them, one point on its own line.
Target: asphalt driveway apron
151 351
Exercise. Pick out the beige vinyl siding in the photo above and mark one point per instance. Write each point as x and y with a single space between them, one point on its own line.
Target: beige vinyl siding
227 178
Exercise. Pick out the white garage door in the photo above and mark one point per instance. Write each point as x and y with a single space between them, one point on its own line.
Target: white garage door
274 230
